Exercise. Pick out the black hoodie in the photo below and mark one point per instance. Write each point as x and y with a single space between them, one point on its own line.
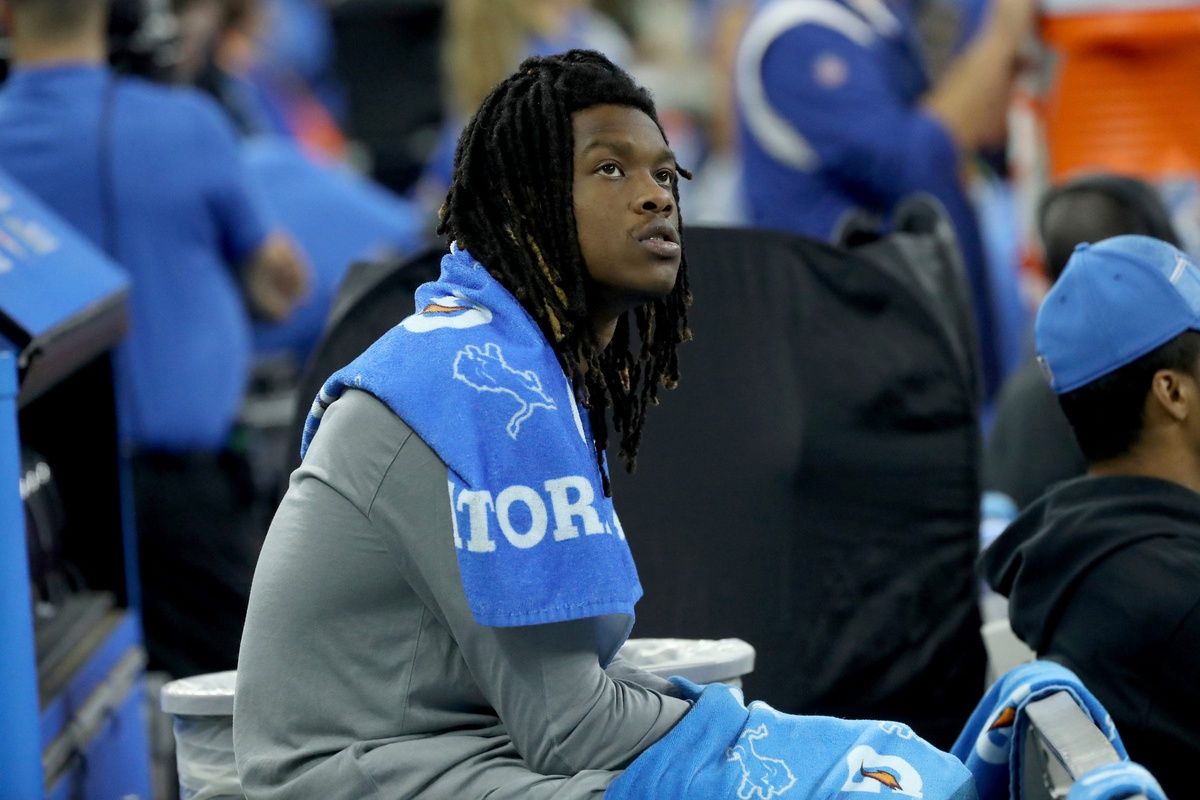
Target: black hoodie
1103 576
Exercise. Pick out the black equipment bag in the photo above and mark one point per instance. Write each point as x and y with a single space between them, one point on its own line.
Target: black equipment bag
812 486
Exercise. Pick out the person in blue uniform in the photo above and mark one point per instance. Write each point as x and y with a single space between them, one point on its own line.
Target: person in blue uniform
334 216
153 176
838 114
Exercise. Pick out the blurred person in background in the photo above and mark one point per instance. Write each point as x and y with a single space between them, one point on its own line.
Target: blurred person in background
225 50
335 216
1103 572
153 176
684 54
848 106
483 41
1030 447
298 49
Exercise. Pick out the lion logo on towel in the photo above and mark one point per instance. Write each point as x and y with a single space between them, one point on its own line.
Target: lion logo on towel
762 777
485 370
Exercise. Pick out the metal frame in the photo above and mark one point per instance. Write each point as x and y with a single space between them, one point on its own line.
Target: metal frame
1061 744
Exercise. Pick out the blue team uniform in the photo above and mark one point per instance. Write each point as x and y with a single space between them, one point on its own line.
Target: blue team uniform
828 102
166 164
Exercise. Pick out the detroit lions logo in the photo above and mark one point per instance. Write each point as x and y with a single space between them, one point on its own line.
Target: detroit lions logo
762 777
485 370
447 312
871 773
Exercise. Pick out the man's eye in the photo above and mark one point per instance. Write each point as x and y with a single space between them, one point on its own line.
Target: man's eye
609 169
666 177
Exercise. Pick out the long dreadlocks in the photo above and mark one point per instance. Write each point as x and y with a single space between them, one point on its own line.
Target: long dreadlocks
510 204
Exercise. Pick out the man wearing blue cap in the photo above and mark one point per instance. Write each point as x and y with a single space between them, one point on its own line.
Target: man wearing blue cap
1103 572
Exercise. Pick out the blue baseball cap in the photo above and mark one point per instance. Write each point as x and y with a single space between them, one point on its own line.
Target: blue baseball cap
1115 301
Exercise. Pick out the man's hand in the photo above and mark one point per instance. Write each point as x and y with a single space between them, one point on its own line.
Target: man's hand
276 278
971 99
1013 20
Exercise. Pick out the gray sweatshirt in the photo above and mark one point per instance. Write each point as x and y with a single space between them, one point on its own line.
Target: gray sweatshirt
363 675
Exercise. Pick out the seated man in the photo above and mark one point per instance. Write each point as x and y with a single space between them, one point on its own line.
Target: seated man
442 594
1103 573
1031 447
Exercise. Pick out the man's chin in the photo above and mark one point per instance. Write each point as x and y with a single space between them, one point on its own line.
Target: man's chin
661 282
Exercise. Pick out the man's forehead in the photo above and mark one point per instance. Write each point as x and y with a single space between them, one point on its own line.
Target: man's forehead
616 127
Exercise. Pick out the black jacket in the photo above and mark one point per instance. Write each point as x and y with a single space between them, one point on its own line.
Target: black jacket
1103 576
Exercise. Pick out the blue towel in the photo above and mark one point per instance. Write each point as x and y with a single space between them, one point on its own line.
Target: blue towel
722 749
1115 782
992 742
473 376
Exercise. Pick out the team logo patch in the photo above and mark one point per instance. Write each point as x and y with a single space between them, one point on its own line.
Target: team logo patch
871 773
830 71
485 370
447 312
763 777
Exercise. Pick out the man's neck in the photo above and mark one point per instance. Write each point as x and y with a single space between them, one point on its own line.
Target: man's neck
43 54
1178 467
605 326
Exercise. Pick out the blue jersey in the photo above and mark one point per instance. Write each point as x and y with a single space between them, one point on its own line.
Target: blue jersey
828 102
153 175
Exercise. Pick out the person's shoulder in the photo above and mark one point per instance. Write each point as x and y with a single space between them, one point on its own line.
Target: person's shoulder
181 107
181 99
1117 589
818 47
358 441
827 22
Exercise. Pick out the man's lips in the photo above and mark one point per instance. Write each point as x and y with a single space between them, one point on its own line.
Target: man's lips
660 238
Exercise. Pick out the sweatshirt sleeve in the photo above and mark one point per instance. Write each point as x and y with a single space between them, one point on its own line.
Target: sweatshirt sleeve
564 713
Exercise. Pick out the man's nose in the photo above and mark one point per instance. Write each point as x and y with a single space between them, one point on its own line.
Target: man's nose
655 198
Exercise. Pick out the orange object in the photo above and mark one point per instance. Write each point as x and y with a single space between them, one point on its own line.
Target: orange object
1126 94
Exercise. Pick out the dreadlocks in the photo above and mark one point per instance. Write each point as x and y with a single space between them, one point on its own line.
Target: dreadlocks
510 204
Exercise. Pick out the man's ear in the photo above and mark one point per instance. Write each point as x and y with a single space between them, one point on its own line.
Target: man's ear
1174 392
